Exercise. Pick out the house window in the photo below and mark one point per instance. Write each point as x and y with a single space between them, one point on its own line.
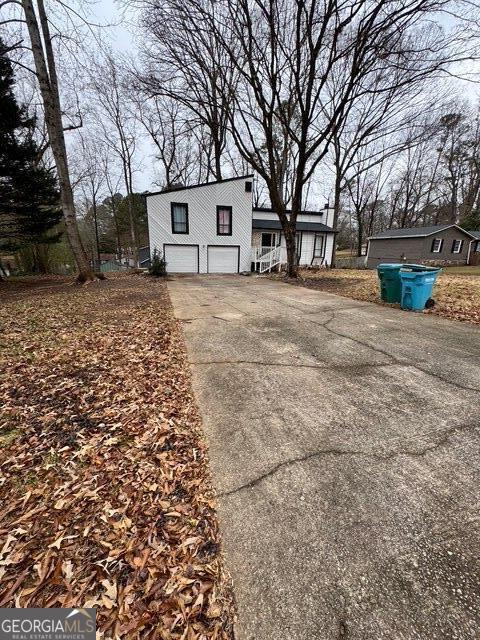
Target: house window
477 246
437 245
318 246
269 239
457 246
179 212
248 187
224 221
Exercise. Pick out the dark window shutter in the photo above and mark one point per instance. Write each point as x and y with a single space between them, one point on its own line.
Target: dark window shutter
433 246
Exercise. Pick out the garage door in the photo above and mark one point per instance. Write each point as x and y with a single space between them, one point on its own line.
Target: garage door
181 258
223 259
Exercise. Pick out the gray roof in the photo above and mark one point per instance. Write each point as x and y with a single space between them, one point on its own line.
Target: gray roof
417 232
301 226
147 194
475 234
302 213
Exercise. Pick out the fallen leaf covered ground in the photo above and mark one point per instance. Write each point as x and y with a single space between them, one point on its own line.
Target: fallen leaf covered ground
104 483
456 296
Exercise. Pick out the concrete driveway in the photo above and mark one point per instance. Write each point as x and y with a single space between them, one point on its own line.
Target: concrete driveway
344 447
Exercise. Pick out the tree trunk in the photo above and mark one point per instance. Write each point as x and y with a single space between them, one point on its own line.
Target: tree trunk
292 266
97 241
47 78
40 252
359 238
218 159
133 230
336 212
117 229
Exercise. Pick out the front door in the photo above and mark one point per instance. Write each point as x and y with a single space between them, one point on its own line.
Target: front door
269 240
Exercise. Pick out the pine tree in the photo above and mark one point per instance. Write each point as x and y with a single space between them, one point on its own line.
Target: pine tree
29 197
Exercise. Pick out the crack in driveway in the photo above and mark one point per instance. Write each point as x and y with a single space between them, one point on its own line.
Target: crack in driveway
336 452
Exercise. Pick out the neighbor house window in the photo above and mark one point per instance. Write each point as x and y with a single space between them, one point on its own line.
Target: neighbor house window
179 217
318 247
224 221
477 246
457 246
437 245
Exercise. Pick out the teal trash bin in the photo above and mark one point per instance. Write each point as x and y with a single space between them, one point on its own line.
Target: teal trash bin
390 283
417 286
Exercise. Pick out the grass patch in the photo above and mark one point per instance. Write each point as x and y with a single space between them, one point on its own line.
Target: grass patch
7 436
473 270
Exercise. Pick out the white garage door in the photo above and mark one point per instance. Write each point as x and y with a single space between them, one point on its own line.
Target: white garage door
223 259
181 258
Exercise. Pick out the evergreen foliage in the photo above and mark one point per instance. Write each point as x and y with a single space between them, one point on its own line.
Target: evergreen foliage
29 198
158 266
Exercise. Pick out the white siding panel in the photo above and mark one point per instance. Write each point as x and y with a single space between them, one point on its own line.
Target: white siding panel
306 255
202 210
181 258
329 248
223 259
264 215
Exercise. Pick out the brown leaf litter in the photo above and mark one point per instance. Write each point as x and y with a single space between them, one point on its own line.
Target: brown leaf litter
106 493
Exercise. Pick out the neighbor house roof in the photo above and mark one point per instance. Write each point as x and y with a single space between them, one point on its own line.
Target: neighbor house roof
195 186
301 226
417 232
475 234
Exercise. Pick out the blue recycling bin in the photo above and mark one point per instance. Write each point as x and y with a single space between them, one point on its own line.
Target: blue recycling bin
417 286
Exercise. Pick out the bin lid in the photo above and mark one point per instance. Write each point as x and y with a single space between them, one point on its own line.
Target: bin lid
419 267
390 265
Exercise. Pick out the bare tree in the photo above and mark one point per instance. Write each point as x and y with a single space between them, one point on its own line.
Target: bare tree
183 63
387 118
46 72
118 126
113 187
170 130
470 207
92 183
282 56
365 190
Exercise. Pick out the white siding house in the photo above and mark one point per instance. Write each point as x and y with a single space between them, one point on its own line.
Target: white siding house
315 236
212 228
201 238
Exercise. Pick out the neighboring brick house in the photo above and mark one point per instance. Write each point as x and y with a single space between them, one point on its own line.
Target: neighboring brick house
439 244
